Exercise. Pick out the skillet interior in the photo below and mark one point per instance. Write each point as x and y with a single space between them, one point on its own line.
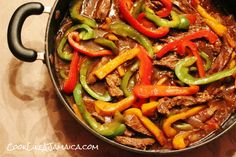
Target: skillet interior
58 12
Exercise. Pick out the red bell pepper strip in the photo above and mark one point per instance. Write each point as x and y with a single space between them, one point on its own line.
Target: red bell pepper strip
209 35
147 91
73 39
71 81
193 47
191 18
165 11
145 69
141 19
125 11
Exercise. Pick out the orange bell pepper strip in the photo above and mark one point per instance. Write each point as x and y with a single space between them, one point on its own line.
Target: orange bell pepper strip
116 62
148 124
147 91
149 109
108 109
179 141
169 131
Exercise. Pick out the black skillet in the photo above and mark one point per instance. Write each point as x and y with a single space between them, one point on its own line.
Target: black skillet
57 13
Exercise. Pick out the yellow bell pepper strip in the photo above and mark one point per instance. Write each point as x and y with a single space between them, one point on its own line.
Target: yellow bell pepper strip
117 61
148 109
182 72
179 141
111 129
109 109
215 25
147 91
167 128
75 7
148 124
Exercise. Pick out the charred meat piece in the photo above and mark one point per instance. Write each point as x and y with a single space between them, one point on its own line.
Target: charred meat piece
169 61
102 10
89 7
165 104
89 103
140 143
133 122
113 82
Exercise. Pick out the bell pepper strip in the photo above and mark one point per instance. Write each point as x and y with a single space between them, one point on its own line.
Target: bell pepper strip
125 30
182 72
75 14
166 10
179 141
83 76
117 61
125 80
74 39
167 128
109 109
107 43
174 23
192 18
145 67
111 129
207 64
144 21
137 8
86 34
121 70
148 124
193 47
147 91
124 10
215 25
183 126
184 22
210 36
149 109
71 81
77 112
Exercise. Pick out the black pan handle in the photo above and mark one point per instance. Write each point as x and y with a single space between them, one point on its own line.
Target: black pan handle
15 27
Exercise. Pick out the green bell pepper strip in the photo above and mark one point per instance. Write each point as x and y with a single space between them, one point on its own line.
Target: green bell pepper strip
137 8
111 129
126 79
174 23
86 34
74 13
107 43
83 74
184 22
125 30
182 72
207 64
63 74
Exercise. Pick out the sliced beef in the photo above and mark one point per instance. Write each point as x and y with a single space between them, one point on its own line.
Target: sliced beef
133 122
222 59
113 82
89 103
140 143
128 133
102 10
89 8
169 61
184 6
165 104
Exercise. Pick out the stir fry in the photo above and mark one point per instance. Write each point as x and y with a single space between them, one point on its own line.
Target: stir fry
149 74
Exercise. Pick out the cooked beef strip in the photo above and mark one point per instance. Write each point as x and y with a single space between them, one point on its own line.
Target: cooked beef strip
168 61
113 82
89 7
133 122
128 133
102 10
165 104
140 143
222 59
89 103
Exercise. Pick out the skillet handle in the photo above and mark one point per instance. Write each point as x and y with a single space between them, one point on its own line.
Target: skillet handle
15 27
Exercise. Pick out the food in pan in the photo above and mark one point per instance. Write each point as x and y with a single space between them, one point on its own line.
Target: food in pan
149 74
